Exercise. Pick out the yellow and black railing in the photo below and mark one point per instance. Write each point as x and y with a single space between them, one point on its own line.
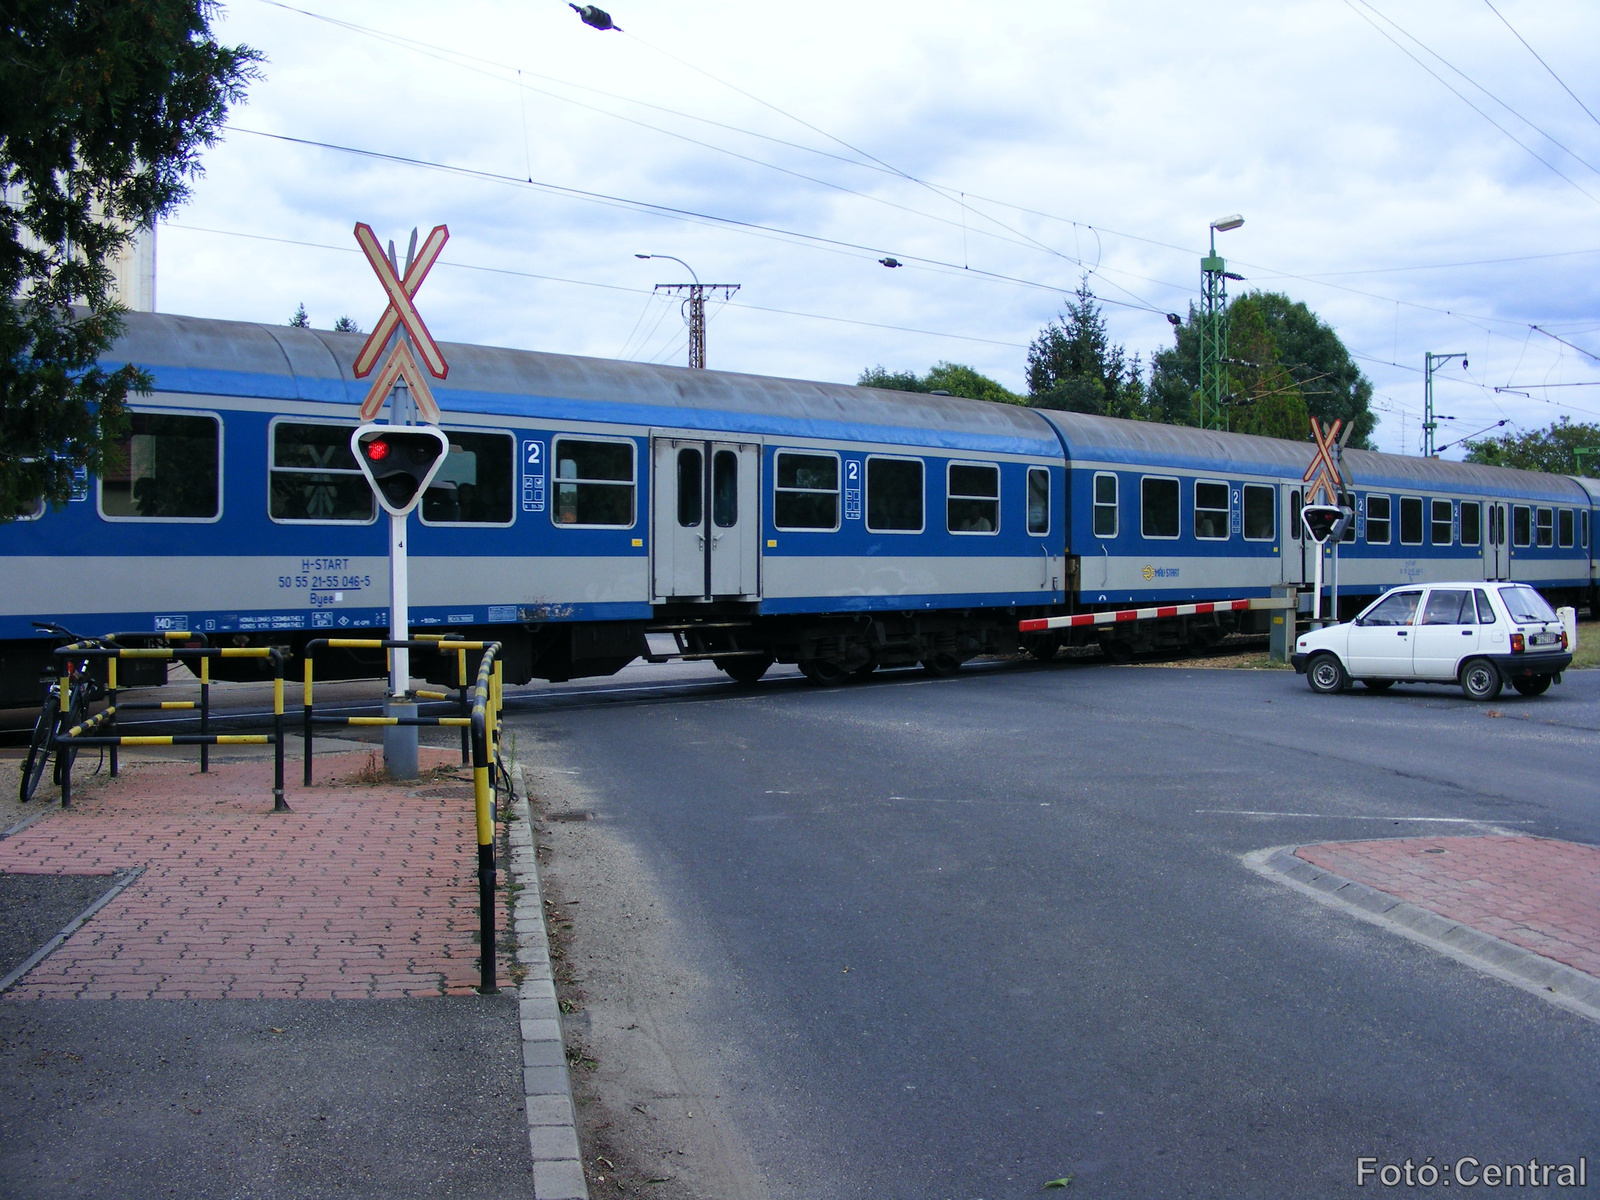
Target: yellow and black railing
485 750
441 645
100 729
203 704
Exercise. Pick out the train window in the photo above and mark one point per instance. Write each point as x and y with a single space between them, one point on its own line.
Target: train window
1521 525
1295 507
1410 521
1158 506
1441 533
1105 504
972 498
894 495
166 468
1584 523
473 487
29 510
1211 511
1547 532
1471 522
724 489
1377 520
1348 500
1260 512
1564 528
594 483
1038 500
314 477
691 487
807 491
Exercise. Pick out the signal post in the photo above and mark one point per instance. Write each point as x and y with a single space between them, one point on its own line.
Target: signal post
401 458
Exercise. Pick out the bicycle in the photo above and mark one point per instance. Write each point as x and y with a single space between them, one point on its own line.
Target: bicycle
56 717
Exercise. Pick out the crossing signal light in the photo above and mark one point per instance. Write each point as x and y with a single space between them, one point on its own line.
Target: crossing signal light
399 462
1324 522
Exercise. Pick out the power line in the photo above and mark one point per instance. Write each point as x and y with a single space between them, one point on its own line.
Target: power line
612 287
1465 100
1542 62
1564 342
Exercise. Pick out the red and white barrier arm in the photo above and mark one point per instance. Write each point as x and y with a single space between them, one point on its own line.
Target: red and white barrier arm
1118 616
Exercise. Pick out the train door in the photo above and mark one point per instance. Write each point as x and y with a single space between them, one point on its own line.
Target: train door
706 542
1294 538
1496 547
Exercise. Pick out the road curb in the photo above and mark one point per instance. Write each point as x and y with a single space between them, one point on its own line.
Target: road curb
552 1125
1551 981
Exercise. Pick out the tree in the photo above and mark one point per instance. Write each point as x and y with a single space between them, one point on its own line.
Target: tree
1074 365
1316 363
301 318
347 324
955 378
104 108
1549 449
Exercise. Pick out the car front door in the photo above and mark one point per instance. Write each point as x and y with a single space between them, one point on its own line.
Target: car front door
1446 633
1380 639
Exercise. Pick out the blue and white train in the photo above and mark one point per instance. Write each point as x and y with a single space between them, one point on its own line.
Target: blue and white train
586 503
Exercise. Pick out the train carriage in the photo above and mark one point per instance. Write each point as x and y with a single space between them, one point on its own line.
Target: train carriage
587 503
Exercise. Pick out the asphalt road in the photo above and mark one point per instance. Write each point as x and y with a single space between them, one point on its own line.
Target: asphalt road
958 938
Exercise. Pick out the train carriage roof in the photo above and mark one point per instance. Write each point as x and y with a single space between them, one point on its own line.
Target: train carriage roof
235 358
1150 444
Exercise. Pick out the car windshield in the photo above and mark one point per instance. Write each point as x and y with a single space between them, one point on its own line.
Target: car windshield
1397 608
1525 604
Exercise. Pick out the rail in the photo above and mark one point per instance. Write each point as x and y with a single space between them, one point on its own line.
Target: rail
100 729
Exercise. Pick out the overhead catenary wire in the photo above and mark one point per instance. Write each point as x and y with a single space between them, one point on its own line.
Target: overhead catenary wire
1542 63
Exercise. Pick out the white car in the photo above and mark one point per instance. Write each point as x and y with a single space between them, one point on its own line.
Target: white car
1479 635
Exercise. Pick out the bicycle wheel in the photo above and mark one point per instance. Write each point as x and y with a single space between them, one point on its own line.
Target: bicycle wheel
76 713
38 749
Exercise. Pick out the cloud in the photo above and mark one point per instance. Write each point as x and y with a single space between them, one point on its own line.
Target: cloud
1140 122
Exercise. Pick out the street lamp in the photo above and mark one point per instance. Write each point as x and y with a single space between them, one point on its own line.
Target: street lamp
1214 276
696 304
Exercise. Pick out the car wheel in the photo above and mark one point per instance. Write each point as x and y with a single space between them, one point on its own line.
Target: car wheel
1377 685
1480 679
1532 685
1326 674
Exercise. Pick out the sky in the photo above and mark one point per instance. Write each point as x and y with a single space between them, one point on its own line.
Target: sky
1412 171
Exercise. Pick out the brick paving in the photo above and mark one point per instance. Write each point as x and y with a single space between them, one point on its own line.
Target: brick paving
360 892
1537 893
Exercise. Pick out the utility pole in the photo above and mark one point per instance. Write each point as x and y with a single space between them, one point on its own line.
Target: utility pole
695 306
1430 360
1214 276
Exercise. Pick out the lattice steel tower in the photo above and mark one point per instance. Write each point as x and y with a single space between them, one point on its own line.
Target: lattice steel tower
1212 412
695 305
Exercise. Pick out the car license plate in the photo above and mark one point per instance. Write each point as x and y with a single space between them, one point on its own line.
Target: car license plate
1544 639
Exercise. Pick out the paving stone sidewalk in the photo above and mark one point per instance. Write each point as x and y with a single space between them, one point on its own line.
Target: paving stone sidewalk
1537 893
360 892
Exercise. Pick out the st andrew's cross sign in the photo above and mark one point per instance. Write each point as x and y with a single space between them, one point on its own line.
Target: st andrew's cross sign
401 312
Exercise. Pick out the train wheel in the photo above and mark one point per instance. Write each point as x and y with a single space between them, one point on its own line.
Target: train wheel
865 670
1041 646
1377 685
1532 685
824 672
746 669
941 666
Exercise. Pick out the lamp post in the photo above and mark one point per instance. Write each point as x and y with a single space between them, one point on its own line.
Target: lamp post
696 304
1214 276
1430 360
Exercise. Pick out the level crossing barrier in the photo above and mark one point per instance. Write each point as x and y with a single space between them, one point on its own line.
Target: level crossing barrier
1121 615
101 729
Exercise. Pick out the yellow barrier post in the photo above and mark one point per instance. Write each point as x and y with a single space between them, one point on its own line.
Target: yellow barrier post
306 728
205 713
111 703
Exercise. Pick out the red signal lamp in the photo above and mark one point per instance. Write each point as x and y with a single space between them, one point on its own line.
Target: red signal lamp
377 450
